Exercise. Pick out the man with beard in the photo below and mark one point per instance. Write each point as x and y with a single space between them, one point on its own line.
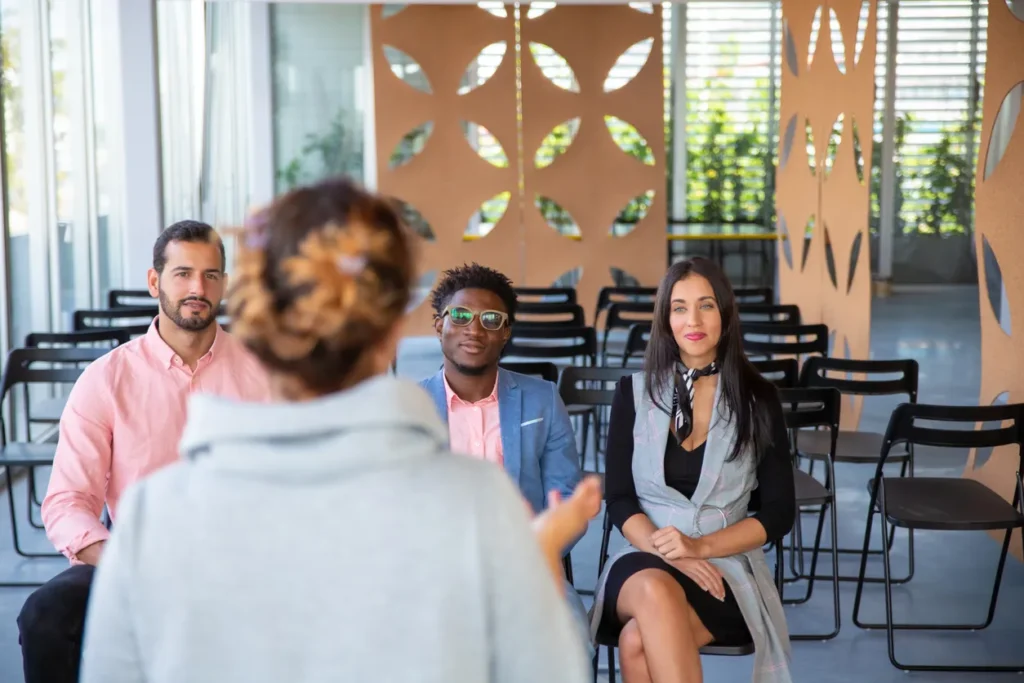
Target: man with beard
515 421
123 420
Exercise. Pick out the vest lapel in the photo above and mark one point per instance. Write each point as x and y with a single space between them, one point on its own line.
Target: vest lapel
716 450
510 412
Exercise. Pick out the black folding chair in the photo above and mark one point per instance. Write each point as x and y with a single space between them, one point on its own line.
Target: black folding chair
754 295
135 319
636 342
769 313
552 343
943 503
622 316
118 298
550 315
784 373
26 453
585 391
609 295
768 340
548 371
876 378
563 295
819 409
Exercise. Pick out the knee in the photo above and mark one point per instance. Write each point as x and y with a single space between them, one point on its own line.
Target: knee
37 614
631 646
54 608
658 590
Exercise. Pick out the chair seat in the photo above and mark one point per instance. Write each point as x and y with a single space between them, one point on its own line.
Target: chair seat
579 409
809 491
728 650
854 447
946 503
27 454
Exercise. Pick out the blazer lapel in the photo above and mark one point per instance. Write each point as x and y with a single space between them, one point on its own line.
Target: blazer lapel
719 443
435 387
510 412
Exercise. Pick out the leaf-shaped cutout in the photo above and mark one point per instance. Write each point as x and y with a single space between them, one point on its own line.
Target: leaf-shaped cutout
407 69
982 455
1017 8
569 278
495 8
790 45
862 30
838 46
557 217
993 279
554 67
808 238
556 143
787 141
539 9
483 66
621 278
812 44
858 152
1003 127
854 260
809 137
424 286
411 144
634 212
835 138
485 144
830 259
786 241
415 220
390 9
645 7
628 65
629 140
846 348
490 213
832 334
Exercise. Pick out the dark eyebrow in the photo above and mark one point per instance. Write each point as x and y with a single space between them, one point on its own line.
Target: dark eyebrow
703 298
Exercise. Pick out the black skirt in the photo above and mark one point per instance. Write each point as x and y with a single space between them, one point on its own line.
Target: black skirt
722 618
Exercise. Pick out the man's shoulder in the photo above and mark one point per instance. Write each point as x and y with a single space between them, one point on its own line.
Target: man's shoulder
535 388
106 368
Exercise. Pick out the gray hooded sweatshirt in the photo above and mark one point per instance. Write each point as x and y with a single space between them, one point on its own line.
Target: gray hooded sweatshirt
331 540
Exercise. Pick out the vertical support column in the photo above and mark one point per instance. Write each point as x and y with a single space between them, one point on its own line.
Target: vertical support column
261 110
679 160
366 96
131 27
887 201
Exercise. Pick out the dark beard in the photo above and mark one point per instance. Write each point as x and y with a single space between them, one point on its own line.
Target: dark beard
189 323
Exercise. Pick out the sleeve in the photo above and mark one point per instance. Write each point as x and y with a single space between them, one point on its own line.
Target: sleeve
74 500
775 489
531 630
619 487
560 462
110 648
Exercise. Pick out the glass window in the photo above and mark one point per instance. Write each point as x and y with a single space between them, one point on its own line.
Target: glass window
320 78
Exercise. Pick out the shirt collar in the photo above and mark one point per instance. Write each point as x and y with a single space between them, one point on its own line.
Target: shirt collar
166 355
451 397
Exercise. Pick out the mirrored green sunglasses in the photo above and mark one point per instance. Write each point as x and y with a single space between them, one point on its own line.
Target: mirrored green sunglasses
489 320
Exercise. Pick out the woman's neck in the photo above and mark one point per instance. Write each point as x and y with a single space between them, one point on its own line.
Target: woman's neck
697 362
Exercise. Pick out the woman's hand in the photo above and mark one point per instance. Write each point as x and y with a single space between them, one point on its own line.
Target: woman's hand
704 574
672 544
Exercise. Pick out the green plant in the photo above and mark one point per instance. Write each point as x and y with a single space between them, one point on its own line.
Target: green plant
903 123
336 151
946 185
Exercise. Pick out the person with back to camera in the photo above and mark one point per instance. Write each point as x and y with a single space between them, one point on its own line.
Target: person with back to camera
691 438
330 535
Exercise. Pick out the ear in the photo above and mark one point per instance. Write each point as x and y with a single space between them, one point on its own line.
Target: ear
153 282
438 325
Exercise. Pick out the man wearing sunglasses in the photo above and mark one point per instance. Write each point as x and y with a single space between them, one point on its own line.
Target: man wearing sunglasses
513 420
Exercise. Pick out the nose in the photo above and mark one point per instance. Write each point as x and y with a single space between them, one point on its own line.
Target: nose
197 286
475 329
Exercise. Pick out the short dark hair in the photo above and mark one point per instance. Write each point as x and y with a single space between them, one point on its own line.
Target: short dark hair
185 231
474 276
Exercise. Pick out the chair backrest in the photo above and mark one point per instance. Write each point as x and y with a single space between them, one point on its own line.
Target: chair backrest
538 341
546 295
623 315
125 317
550 314
769 313
816 369
636 341
754 295
812 407
784 373
590 386
784 340
542 369
960 431
112 336
608 295
118 298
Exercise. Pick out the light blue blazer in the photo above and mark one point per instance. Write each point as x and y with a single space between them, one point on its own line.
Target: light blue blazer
537 440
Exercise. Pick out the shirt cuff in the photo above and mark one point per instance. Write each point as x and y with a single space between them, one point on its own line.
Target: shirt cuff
84 540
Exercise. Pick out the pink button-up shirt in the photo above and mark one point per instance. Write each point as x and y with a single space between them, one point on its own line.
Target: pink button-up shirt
123 420
475 428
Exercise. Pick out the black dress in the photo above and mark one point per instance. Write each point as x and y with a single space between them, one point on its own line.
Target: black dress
773 502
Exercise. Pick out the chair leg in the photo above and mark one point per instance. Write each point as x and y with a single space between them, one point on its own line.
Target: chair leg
611 663
30 499
585 418
14 518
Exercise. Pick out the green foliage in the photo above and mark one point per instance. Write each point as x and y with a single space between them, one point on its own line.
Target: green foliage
903 124
336 151
945 186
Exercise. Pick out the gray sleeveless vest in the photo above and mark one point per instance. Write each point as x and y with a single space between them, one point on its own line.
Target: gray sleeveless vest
720 499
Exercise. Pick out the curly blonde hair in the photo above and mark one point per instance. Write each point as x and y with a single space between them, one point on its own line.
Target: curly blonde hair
323 274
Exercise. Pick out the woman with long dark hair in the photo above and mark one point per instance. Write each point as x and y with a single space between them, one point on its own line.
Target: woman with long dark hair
691 439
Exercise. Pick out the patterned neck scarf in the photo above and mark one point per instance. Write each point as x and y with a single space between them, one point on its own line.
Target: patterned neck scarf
682 398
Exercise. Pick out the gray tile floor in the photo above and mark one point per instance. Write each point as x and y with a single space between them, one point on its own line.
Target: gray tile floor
954 571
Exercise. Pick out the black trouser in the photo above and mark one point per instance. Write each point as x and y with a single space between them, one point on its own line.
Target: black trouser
51 625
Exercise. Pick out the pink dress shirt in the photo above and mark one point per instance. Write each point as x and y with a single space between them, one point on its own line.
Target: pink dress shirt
475 428
124 419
